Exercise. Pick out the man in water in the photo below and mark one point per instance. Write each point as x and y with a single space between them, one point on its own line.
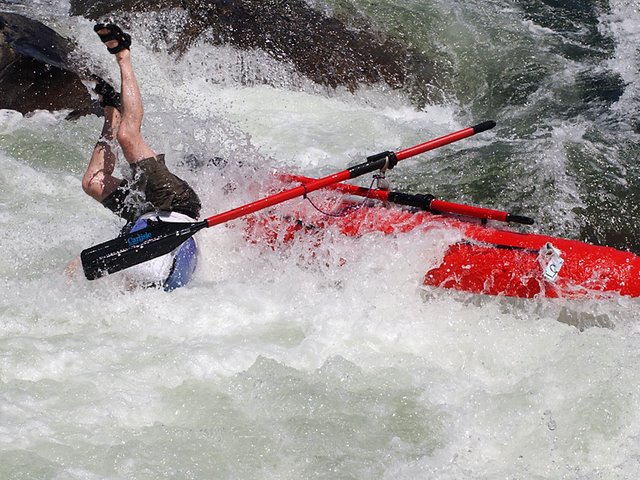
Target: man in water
153 193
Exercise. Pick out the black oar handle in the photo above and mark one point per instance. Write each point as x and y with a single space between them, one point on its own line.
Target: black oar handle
418 200
520 219
484 126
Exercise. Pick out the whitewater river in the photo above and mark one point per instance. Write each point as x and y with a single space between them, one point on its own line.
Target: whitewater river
332 362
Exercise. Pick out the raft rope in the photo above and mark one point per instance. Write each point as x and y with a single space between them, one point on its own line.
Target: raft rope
349 208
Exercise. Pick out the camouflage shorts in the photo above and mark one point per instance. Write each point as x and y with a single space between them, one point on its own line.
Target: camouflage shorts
153 187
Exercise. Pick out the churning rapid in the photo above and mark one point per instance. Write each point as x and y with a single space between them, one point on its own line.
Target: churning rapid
329 361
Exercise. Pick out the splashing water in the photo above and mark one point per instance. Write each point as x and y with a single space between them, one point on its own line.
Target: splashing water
331 361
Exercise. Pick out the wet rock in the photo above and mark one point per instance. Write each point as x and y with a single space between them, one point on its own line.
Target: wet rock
35 70
322 48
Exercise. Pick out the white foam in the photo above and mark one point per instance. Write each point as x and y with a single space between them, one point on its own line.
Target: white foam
623 22
314 361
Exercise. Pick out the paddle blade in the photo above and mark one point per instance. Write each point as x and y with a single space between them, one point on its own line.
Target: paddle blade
140 246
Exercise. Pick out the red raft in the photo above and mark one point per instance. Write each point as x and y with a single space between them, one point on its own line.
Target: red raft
485 259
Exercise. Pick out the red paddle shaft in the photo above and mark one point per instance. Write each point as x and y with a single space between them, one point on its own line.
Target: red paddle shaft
373 163
445 140
425 202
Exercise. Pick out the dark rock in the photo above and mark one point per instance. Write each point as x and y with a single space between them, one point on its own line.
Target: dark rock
322 48
35 70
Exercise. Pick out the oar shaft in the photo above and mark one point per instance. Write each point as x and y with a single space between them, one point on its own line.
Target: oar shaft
374 162
445 140
428 202
341 187
468 210
277 198
425 202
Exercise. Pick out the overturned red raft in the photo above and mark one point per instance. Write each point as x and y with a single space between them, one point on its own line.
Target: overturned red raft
500 262
486 259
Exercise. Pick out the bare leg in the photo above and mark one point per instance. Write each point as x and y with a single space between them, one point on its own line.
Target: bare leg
130 138
98 181
129 134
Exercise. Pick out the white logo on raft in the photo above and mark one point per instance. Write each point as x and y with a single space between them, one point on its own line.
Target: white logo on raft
551 262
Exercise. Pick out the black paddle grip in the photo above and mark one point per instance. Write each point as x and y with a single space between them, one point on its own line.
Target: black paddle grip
420 200
484 126
520 219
